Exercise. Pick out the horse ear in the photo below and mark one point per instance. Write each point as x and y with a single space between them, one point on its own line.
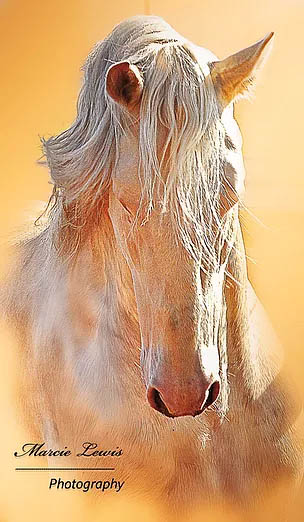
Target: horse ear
234 76
124 84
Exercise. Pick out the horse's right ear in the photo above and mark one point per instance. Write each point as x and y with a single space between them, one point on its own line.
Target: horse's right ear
124 84
234 76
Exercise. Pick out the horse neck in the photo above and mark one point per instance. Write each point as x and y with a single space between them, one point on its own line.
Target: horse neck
251 343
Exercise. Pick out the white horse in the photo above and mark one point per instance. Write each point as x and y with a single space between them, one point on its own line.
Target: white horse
138 327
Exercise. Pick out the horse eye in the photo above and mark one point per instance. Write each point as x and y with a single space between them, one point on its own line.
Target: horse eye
125 208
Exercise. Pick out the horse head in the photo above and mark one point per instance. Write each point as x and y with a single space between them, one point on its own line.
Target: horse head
164 107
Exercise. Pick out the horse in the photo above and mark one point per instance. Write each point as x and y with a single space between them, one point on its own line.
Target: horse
139 330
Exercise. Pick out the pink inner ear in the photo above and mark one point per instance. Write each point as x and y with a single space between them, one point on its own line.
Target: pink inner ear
116 76
124 84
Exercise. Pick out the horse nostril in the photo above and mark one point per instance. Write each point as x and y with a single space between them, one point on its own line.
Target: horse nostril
155 400
212 394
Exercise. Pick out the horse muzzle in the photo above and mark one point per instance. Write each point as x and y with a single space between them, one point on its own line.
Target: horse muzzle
188 398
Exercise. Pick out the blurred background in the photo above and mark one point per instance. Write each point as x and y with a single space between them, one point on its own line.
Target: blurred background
43 45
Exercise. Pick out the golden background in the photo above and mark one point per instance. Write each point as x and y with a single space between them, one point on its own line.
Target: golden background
43 45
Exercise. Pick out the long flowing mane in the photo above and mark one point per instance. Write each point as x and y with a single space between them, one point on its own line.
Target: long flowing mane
178 95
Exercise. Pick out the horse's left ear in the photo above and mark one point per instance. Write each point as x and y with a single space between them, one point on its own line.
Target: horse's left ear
124 84
234 76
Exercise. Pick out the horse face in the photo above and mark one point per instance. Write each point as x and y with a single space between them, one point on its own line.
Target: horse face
179 305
